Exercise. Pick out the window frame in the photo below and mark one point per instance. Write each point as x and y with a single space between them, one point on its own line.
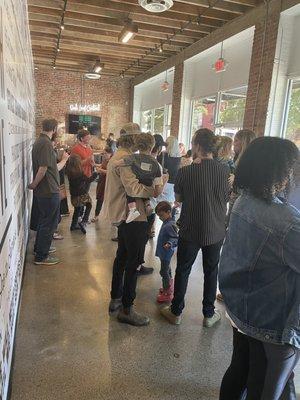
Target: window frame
287 104
218 96
167 113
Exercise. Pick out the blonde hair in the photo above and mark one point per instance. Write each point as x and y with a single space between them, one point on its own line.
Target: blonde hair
224 147
173 147
246 136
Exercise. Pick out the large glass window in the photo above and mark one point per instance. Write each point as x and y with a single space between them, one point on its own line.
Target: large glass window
203 114
222 113
157 121
146 120
292 119
231 111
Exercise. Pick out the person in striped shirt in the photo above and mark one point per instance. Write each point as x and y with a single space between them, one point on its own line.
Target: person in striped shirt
203 189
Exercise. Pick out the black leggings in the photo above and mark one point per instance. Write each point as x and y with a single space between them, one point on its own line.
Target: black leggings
98 207
259 370
79 211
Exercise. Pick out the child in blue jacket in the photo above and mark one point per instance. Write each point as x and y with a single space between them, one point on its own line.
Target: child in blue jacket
166 244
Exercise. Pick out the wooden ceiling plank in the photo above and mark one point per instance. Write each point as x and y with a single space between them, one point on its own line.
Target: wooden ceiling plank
249 3
86 27
54 4
115 10
97 48
196 7
157 24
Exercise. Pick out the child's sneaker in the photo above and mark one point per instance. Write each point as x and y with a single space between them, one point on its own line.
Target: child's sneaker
133 214
171 287
166 296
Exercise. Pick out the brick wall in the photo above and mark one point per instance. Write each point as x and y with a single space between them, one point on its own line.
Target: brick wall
56 90
261 70
176 102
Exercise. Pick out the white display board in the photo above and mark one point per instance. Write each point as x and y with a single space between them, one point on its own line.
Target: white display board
16 137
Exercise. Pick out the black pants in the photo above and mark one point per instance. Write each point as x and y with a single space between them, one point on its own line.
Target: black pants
83 211
259 370
131 243
98 207
165 273
186 256
48 217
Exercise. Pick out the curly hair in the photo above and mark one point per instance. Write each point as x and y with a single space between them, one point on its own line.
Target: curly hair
266 167
144 142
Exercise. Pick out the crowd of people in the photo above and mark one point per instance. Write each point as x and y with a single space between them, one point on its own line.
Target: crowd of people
235 200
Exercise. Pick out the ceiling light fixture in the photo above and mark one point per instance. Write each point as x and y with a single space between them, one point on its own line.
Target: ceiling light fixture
92 75
156 6
128 32
62 27
161 48
165 85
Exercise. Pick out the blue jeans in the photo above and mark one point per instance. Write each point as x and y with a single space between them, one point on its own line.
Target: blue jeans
186 255
49 213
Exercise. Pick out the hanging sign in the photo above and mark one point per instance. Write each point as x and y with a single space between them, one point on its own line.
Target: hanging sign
220 65
85 107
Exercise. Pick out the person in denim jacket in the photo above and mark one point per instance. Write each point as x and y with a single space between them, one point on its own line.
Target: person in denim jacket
260 276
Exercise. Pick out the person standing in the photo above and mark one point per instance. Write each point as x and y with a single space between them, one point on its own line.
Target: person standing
45 186
111 142
83 149
203 190
260 275
131 237
170 161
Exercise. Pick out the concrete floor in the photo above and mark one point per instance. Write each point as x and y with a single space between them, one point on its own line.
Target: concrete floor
68 347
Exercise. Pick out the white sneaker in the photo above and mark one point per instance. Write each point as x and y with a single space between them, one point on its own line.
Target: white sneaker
209 322
133 214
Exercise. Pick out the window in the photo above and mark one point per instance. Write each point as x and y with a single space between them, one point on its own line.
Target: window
146 120
292 117
231 111
203 113
157 121
222 113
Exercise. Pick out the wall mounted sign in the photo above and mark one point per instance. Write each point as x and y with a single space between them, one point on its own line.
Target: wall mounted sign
86 108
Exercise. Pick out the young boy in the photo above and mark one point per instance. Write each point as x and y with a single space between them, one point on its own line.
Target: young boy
146 169
166 244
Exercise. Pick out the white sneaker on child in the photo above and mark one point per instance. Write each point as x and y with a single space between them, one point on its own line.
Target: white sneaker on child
133 214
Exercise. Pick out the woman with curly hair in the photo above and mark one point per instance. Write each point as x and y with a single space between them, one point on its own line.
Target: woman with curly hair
260 275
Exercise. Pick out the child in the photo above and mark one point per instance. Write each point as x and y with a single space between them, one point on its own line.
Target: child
79 190
146 169
107 154
166 244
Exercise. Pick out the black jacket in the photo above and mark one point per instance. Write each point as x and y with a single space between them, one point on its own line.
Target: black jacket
80 185
170 165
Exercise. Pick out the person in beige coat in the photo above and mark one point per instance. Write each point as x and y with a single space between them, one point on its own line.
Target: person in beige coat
131 236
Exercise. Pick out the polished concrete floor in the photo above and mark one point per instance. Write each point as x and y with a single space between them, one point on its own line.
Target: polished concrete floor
68 347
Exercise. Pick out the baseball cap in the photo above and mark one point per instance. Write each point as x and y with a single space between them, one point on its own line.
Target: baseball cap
130 128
